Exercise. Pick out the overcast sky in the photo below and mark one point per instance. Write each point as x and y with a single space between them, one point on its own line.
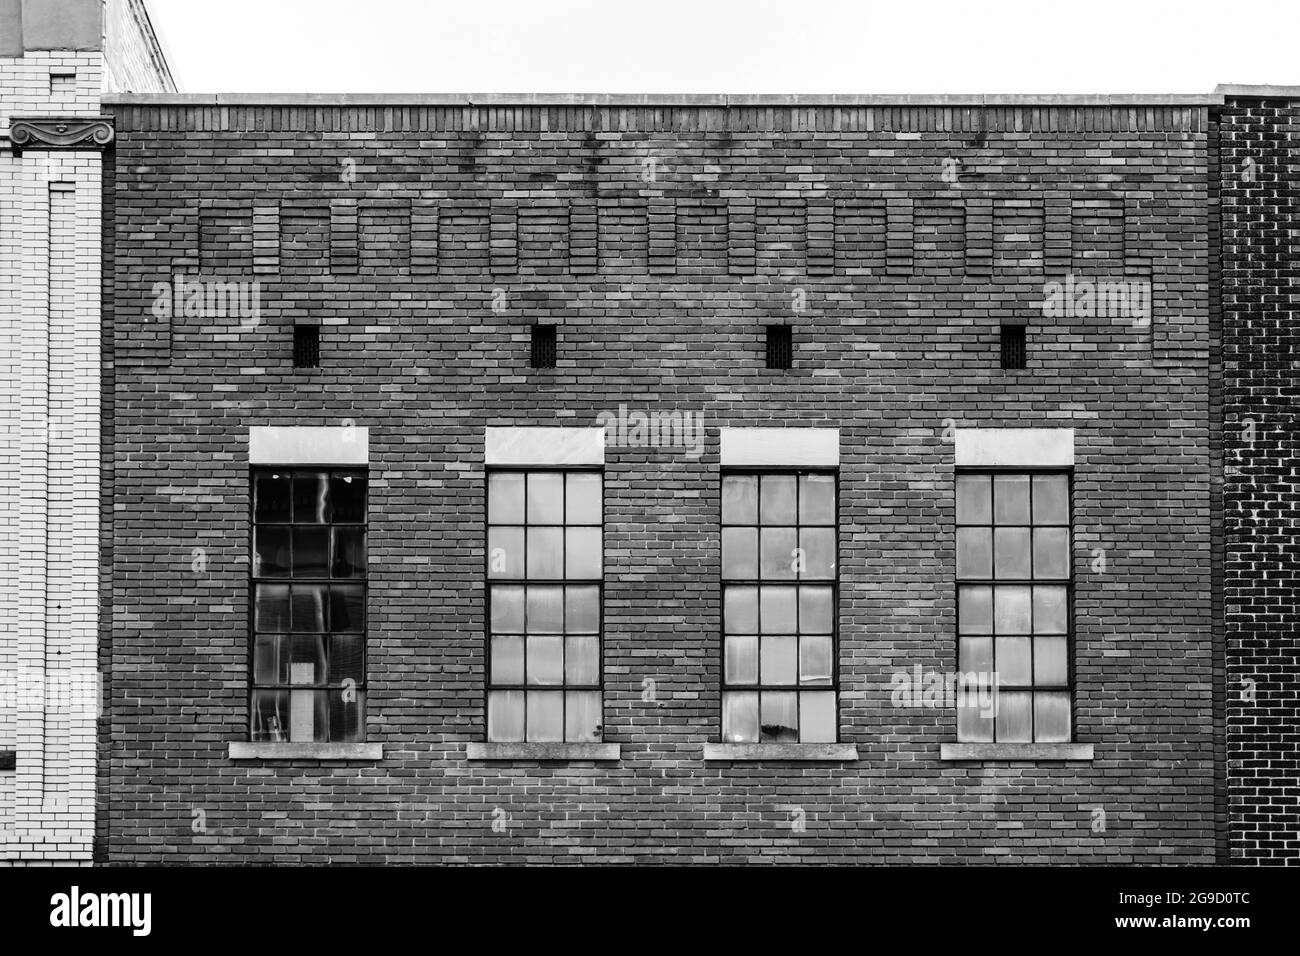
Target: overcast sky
728 46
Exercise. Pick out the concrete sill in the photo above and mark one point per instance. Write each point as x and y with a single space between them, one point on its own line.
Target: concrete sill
1032 752
775 752
495 751
248 751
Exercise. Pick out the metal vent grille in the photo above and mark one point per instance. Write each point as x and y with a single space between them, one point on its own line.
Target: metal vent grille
543 346
1013 346
306 346
780 346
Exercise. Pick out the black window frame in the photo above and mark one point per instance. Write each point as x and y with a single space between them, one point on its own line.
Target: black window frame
833 582
1031 581
525 582
363 581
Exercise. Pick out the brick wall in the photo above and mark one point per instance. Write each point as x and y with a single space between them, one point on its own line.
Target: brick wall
661 240
1261 400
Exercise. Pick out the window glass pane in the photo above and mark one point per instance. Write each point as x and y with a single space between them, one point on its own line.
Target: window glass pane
1013 662
1011 499
974 499
974 553
545 716
546 660
346 724
505 552
308 716
545 552
816 611
308 608
506 716
1051 499
818 552
817 499
1011 552
777 500
272 498
271 553
740 499
777 557
1013 718
347 656
349 553
1052 718
582 610
270 716
583 552
271 607
974 723
1051 607
1050 666
779 716
1011 610
740 717
740 553
776 614
307 664
740 653
269 666
310 497
347 607
507 659
507 609
975 609
582 716
546 498
740 610
817 717
311 548
348 498
815 664
545 610
975 655
778 662
583 499
505 498
1051 553
582 660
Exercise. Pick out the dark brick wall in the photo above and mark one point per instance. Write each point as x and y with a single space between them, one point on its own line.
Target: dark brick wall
661 241
1261 396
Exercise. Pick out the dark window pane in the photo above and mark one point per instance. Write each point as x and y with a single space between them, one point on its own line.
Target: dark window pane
776 553
776 610
1051 553
310 497
347 607
311 548
740 553
779 716
546 660
582 610
346 709
271 553
271 607
506 498
740 664
817 499
583 499
308 607
545 716
348 498
505 552
270 716
740 499
740 717
507 665
269 666
506 716
817 717
307 665
816 610
507 609
347 657
974 499
349 552
777 499
740 610
1011 552
1051 499
272 495
545 553
545 610
1011 499
974 553
582 553
546 498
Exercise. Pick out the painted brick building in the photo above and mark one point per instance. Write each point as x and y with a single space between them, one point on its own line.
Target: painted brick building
408 560
56 61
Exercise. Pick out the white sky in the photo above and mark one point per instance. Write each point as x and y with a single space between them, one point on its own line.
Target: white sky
728 46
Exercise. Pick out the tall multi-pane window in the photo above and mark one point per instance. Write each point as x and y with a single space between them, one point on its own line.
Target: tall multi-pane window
309 605
1013 604
778 607
545 575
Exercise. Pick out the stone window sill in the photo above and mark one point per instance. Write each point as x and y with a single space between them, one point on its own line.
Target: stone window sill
779 752
1030 752
242 750
584 751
